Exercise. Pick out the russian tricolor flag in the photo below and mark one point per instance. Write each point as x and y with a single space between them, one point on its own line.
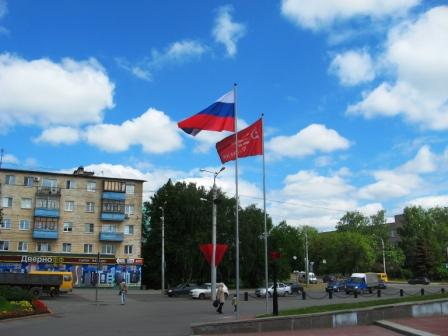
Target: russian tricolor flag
220 116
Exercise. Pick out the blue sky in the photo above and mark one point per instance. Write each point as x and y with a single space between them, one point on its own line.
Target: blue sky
353 92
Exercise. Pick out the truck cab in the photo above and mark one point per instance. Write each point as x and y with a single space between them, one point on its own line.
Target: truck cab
67 280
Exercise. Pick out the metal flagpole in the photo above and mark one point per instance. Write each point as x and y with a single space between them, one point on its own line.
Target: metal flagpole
265 217
237 238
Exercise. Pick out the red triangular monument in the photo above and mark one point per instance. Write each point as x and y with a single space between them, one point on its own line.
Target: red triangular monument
207 251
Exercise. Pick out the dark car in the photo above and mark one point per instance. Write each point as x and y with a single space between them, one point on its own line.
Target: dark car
335 286
419 281
328 278
295 288
182 289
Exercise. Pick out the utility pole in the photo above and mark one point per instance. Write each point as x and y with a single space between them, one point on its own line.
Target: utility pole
306 259
214 214
163 249
384 256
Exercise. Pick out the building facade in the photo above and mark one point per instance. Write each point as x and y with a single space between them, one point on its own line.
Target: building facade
86 224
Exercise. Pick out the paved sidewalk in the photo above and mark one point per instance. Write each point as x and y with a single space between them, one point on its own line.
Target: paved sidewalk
436 325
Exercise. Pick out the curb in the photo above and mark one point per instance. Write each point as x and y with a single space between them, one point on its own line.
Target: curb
401 329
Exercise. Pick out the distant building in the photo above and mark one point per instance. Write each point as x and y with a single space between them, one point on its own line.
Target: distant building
394 236
55 221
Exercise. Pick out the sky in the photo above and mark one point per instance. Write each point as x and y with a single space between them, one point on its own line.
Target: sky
353 92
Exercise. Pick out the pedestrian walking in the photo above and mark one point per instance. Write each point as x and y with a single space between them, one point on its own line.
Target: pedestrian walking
234 302
123 291
220 296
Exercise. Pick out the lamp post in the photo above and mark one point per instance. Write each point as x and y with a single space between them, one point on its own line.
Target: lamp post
307 264
384 256
215 196
163 249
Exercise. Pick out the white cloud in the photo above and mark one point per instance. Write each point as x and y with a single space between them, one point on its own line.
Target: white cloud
370 209
424 162
9 158
310 140
41 92
417 51
153 130
227 31
429 201
318 14
59 135
178 52
353 67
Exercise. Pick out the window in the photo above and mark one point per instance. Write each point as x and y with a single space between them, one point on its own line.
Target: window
129 229
393 233
45 223
88 228
69 205
90 206
22 246
88 248
66 247
26 203
91 186
47 203
68 226
108 249
10 179
115 186
49 183
113 206
129 209
130 189
4 245
6 223
70 184
128 249
28 181
24 224
43 247
109 228
7 202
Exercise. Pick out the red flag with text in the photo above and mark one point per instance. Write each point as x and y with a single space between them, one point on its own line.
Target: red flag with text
250 143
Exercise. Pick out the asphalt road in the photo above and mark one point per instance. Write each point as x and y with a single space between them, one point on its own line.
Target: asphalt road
149 313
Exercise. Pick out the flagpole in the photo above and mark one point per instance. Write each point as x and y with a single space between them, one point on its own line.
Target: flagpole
237 238
265 217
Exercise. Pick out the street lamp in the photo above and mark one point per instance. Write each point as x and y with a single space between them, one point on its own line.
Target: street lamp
384 256
215 196
163 248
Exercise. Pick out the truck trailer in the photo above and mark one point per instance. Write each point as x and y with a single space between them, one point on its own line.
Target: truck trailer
35 284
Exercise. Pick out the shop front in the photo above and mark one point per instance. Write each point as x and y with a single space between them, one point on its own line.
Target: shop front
85 269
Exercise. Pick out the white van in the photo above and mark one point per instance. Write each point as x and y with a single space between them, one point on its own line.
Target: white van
311 277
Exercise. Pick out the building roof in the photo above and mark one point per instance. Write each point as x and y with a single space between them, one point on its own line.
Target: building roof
79 172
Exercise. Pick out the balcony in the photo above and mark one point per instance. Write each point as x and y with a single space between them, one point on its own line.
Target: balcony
45 212
48 191
112 216
116 196
45 234
111 236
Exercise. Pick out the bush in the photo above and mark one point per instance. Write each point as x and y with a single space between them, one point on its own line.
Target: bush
14 293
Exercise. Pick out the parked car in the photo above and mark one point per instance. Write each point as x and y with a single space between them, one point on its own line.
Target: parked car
295 287
182 289
204 291
282 290
336 286
328 278
419 281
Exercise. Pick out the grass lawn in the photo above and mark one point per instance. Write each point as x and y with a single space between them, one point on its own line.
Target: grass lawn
355 305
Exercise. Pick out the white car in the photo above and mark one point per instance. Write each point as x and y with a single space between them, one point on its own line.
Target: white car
282 290
204 291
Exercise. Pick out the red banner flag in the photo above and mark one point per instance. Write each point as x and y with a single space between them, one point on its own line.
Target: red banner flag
207 251
250 143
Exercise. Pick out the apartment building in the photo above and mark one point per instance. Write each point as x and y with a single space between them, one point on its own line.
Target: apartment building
87 224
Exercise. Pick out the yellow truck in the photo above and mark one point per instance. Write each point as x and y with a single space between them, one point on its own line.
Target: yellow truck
67 280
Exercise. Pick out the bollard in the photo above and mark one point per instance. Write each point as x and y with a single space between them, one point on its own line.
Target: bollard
303 295
401 292
378 293
443 290
356 294
246 296
330 294
422 291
